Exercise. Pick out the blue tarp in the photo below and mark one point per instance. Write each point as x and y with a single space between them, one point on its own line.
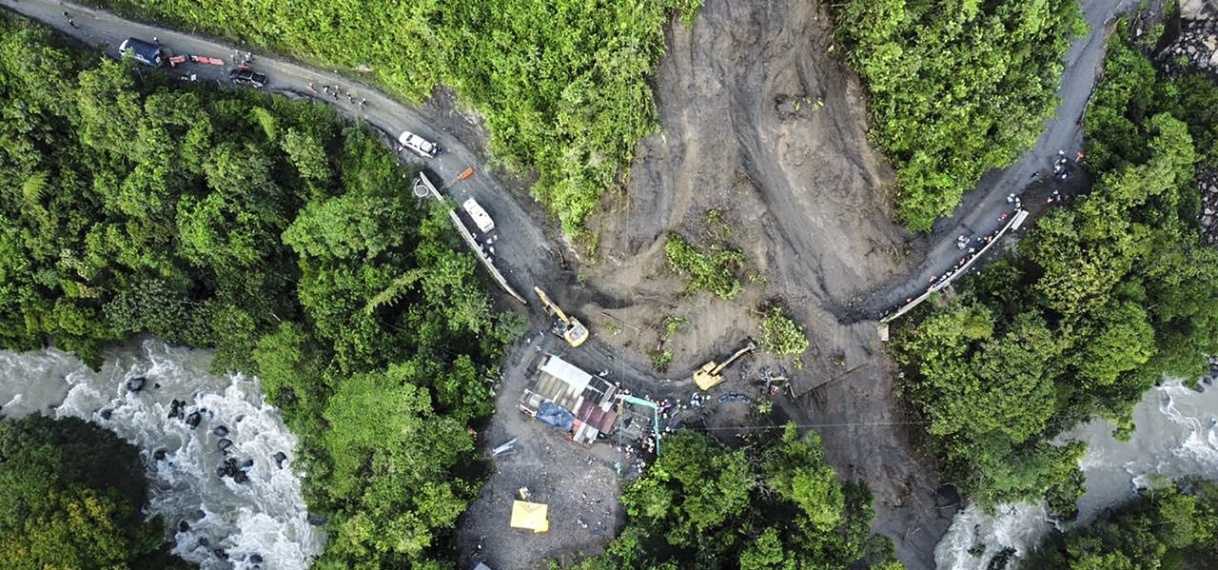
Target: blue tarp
730 396
555 415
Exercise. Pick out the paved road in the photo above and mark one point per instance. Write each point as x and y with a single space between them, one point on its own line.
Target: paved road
522 245
980 212
523 250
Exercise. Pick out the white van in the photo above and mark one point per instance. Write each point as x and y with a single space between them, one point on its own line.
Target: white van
481 218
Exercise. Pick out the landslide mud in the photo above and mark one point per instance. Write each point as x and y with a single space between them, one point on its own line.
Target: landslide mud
762 122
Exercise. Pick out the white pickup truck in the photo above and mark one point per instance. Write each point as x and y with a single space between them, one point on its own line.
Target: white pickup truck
481 218
419 145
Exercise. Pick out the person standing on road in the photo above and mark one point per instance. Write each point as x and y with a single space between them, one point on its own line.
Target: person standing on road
71 22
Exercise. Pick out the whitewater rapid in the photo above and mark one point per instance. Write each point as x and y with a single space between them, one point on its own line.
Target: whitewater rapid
1175 437
214 521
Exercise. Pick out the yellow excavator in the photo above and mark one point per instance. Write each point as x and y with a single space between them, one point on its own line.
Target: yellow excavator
569 328
709 375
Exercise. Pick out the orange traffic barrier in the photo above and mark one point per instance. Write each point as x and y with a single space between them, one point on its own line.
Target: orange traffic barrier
466 174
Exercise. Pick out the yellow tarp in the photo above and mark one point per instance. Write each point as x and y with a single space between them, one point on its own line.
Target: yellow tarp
530 515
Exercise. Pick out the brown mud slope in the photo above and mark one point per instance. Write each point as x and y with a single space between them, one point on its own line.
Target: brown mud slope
762 122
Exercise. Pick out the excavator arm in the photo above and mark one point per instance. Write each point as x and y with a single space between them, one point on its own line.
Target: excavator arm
573 331
709 376
750 348
551 307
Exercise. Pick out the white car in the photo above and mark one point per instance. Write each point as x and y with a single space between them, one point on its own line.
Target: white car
419 145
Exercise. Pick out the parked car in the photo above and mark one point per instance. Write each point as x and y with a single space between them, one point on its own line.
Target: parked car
247 77
143 52
419 145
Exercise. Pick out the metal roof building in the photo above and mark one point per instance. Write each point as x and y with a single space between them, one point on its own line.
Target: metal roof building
586 398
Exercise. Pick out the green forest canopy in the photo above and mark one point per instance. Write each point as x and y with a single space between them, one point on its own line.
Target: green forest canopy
956 86
71 496
776 505
1100 300
1172 528
276 233
562 83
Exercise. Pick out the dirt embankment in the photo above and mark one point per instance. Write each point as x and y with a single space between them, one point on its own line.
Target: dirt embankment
762 123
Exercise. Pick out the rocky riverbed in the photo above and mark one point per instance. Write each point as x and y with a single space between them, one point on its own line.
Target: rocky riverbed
1195 42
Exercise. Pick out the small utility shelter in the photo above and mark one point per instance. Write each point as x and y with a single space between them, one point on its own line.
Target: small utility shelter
531 516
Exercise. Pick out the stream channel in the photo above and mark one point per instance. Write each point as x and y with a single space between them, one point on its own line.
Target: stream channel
1175 437
214 521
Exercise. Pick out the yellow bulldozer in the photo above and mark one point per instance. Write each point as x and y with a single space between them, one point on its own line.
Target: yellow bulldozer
710 375
568 327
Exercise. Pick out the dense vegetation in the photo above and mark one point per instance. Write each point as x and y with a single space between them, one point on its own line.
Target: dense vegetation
774 506
957 86
1163 528
562 84
780 335
71 495
1099 302
714 271
279 235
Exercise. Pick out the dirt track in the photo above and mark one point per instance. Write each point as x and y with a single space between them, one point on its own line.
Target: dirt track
760 120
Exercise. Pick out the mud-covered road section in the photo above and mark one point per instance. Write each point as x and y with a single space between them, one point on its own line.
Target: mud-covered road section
762 123
1031 176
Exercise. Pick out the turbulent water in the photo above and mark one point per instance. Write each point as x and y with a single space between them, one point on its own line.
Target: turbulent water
1176 436
214 521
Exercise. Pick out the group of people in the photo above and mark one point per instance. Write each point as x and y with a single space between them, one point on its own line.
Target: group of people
335 91
1015 201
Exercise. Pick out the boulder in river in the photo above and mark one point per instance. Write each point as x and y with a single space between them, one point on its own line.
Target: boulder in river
220 431
177 409
159 455
224 444
106 414
136 384
280 457
193 419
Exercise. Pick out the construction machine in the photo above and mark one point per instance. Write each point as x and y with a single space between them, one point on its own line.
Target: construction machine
569 328
709 375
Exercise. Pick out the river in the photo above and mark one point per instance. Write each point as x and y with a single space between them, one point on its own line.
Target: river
1175 437
214 521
